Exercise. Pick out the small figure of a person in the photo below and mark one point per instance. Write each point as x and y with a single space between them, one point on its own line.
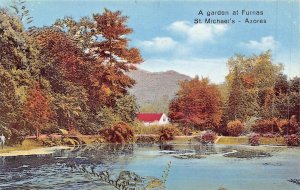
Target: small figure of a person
2 140
186 130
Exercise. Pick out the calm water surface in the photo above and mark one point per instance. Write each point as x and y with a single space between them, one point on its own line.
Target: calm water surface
209 172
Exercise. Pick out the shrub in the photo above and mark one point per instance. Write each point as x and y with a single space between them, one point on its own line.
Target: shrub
119 133
265 126
292 140
254 139
235 128
288 126
208 137
140 128
283 126
168 132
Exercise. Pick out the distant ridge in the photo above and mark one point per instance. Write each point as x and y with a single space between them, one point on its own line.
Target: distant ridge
154 86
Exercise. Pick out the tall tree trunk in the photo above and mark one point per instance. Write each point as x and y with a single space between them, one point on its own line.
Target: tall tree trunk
37 135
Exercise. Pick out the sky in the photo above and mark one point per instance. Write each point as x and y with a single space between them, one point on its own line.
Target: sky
169 39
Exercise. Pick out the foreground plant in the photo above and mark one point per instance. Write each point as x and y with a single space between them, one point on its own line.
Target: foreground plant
126 180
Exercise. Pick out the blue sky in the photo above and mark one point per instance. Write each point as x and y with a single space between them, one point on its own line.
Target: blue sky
165 32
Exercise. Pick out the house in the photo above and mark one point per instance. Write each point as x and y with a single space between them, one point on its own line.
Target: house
153 118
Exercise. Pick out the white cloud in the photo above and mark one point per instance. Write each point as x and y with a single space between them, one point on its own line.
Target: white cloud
265 43
215 69
290 62
197 33
159 44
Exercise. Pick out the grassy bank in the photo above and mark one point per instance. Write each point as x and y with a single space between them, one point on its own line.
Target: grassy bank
279 141
28 144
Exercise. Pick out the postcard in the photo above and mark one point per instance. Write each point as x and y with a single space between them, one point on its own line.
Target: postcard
150 94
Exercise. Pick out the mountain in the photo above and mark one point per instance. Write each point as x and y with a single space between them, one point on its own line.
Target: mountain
155 88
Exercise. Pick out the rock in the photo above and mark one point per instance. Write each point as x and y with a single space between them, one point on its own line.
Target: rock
247 154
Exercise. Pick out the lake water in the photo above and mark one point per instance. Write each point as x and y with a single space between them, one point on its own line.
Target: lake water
207 168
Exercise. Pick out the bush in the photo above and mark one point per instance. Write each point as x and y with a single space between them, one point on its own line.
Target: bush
288 126
254 139
168 132
120 133
235 128
265 126
208 137
292 140
283 126
140 128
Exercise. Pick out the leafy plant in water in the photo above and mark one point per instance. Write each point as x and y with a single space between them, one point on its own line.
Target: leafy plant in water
126 180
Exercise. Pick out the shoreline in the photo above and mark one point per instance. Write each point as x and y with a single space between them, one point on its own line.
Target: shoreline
33 147
34 151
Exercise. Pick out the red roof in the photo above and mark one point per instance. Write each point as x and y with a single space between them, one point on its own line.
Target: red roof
149 117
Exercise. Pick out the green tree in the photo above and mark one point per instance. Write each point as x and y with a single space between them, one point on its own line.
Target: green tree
127 108
287 102
251 82
71 108
9 102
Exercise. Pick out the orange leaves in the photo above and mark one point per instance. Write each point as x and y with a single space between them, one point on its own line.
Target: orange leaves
120 133
197 103
112 24
249 80
37 109
63 51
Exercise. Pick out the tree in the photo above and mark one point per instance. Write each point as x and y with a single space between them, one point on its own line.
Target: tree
21 11
281 85
251 82
127 108
288 103
18 52
64 58
37 109
197 104
105 46
9 103
71 108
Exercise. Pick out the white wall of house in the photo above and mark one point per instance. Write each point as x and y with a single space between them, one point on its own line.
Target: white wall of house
164 120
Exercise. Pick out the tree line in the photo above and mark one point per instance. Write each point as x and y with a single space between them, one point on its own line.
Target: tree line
70 75
255 89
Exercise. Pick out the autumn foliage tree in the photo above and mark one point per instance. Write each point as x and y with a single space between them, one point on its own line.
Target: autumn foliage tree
37 111
107 53
197 104
251 82
81 66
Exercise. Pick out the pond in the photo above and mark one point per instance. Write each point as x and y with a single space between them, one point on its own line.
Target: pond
193 167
